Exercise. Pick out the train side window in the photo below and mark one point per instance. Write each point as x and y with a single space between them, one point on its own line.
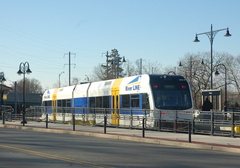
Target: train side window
99 102
135 100
50 103
59 103
105 101
145 101
64 104
92 101
68 103
47 103
126 101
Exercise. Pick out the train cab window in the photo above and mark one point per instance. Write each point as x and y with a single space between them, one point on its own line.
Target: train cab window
135 100
145 101
99 102
126 101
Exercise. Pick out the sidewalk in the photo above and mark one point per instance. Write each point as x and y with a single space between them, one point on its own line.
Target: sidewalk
206 142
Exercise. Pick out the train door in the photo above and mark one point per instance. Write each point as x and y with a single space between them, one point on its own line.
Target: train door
54 105
116 102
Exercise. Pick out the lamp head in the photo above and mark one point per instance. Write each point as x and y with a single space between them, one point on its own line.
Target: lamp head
28 71
19 72
196 39
217 73
124 59
227 33
3 79
180 64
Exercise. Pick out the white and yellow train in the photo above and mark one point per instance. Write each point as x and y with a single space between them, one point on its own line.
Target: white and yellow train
157 95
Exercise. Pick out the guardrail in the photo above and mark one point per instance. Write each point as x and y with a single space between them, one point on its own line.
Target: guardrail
202 122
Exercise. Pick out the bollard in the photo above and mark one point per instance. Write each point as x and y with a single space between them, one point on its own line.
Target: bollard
189 132
105 124
46 120
143 127
73 121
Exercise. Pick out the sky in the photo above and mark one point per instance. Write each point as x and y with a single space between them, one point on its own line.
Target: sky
43 32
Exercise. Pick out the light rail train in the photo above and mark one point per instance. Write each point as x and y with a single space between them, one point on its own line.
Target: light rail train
153 95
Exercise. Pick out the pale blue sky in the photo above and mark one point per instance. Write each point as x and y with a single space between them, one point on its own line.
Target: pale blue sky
42 31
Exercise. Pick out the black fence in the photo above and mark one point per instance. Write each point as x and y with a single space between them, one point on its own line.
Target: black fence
198 122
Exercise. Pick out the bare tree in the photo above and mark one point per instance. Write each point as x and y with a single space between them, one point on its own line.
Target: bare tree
99 73
129 68
75 81
199 75
31 86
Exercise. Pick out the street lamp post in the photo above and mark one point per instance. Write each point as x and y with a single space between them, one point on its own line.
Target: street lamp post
217 73
2 79
23 69
87 78
60 79
211 34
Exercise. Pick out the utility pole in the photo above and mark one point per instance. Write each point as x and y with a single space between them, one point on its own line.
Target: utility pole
107 61
69 64
140 69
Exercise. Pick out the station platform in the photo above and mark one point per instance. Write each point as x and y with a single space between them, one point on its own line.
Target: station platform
196 141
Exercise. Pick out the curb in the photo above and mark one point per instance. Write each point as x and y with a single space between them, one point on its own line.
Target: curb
168 142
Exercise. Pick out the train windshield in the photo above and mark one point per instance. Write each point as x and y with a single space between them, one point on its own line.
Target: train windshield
171 92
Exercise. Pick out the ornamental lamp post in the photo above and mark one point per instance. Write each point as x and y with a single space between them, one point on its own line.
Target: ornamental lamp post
217 73
23 69
211 34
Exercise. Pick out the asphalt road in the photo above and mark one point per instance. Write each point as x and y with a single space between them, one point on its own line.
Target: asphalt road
25 149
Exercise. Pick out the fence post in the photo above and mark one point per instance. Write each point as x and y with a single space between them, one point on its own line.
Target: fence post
105 124
3 117
175 122
212 122
46 120
160 121
143 127
131 119
193 125
189 132
232 132
73 121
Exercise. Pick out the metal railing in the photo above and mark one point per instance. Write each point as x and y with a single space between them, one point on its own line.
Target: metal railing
202 122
